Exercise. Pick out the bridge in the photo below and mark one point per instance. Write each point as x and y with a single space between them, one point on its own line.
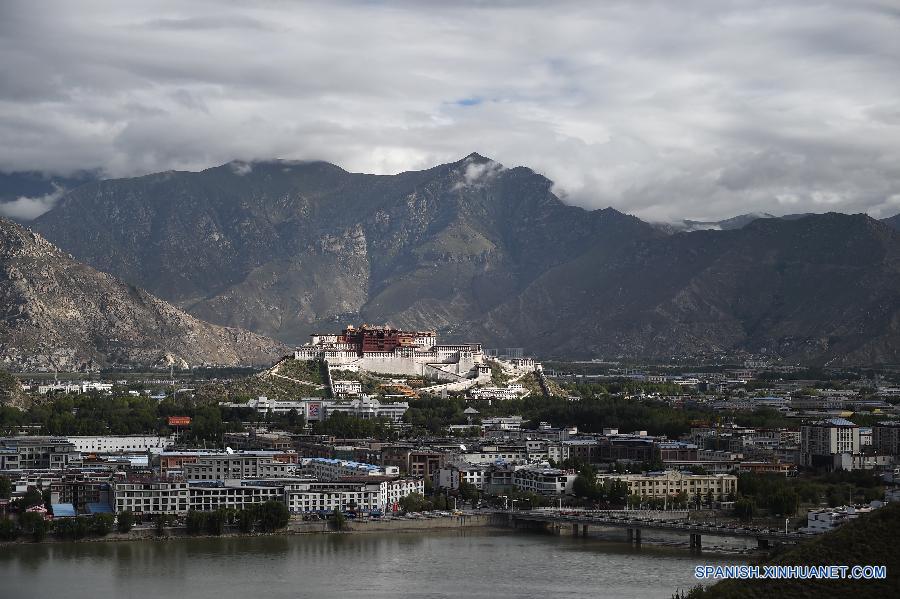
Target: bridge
634 524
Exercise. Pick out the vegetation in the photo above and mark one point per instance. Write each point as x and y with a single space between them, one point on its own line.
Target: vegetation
125 521
414 502
612 492
869 540
783 496
350 427
337 520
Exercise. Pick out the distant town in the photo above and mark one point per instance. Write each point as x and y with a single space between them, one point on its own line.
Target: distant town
376 424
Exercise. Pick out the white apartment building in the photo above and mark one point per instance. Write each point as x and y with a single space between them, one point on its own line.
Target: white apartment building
543 480
119 443
821 441
152 497
672 482
826 519
343 388
328 497
368 408
512 391
452 475
211 496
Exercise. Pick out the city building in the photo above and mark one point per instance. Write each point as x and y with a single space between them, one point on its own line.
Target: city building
822 441
241 465
150 497
37 453
119 443
886 438
544 480
669 483
392 351
333 469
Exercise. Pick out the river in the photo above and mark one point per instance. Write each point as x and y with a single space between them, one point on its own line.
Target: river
469 563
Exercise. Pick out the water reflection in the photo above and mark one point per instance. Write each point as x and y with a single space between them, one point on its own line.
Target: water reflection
474 563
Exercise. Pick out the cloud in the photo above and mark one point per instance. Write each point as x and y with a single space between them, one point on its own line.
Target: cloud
477 173
700 109
24 208
241 168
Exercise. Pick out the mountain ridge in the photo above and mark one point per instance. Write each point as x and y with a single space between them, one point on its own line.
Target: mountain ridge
478 251
61 314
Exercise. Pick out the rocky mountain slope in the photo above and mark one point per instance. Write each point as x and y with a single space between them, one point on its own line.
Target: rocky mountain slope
59 313
893 221
285 248
817 289
489 253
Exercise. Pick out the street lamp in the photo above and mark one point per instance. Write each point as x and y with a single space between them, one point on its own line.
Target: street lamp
786 520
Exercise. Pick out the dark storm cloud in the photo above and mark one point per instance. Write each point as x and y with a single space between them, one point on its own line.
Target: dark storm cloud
666 110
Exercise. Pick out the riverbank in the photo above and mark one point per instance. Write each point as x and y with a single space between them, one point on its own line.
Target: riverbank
294 527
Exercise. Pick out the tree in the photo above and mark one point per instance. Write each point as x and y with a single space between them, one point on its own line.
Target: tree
246 519
5 487
102 524
273 515
33 523
414 502
161 522
32 498
195 523
585 486
615 491
467 491
215 522
8 529
743 509
125 521
338 521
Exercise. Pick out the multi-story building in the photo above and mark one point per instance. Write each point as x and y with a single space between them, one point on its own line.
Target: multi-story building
452 475
327 497
490 454
511 391
149 497
332 469
209 496
886 438
543 480
175 463
259 440
368 408
37 453
821 441
120 443
344 388
241 465
672 482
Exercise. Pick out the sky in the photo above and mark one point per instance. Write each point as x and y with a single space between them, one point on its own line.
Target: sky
666 110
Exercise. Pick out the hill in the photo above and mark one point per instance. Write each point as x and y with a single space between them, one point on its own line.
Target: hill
58 313
285 248
819 288
869 540
482 252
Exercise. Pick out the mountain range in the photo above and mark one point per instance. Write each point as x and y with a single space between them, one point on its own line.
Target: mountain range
484 252
59 313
